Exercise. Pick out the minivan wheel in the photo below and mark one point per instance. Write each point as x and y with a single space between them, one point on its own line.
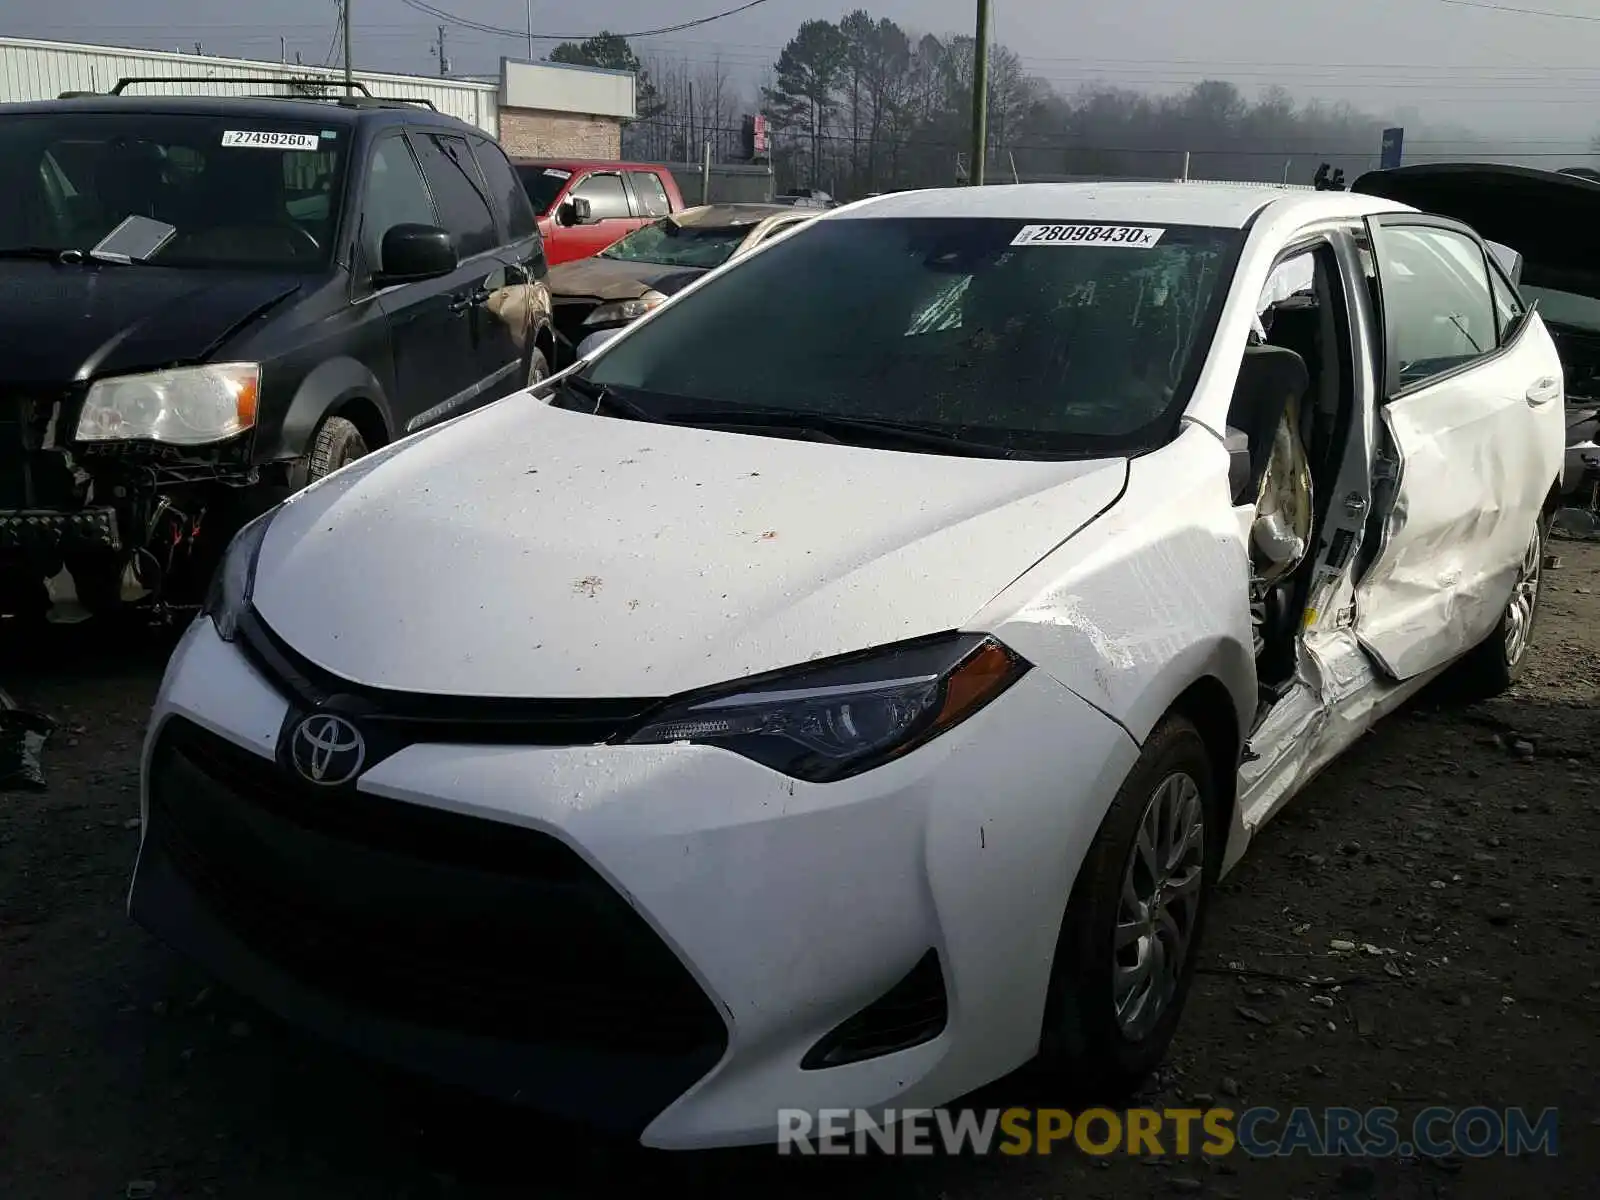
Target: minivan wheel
538 368
1129 943
337 443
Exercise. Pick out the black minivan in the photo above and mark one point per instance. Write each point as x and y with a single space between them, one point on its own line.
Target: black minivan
207 303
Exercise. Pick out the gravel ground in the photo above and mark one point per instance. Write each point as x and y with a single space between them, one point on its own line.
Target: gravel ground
1460 845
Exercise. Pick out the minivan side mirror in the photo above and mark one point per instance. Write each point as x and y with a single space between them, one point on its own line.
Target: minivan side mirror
575 211
414 252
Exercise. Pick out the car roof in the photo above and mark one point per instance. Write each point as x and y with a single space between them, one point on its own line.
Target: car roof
731 214
266 108
1221 205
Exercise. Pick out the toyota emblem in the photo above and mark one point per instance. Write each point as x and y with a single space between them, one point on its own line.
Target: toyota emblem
327 750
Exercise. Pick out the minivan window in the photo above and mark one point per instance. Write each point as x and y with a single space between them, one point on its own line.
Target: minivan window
945 323
396 195
457 191
506 189
242 192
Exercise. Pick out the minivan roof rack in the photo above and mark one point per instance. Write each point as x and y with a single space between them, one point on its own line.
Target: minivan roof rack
365 100
254 80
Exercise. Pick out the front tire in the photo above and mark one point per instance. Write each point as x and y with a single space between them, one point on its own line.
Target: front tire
336 443
1129 942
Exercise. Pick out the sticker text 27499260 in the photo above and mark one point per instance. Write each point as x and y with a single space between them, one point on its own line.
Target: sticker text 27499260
269 140
1134 237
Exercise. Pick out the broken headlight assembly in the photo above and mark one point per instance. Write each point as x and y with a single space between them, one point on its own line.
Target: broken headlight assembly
828 721
186 406
229 595
625 310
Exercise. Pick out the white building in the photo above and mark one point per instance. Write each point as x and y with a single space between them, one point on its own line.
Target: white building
537 109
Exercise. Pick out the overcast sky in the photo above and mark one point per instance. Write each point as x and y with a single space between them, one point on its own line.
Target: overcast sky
1535 81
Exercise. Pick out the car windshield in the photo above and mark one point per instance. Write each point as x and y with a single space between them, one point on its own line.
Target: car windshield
984 330
543 184
673 245
1565 308
239 191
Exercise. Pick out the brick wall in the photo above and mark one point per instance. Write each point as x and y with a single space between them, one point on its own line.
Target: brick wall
530 133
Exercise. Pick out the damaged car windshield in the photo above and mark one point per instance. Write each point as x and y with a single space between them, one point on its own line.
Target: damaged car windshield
946 324
238 191
669 244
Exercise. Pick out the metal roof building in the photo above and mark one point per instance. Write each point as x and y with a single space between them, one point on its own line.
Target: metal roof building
535 108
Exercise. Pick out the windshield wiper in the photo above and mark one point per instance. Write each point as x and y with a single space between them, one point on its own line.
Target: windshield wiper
901 434
601 396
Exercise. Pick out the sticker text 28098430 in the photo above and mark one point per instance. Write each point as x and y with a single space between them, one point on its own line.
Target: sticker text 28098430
269 140
1134 237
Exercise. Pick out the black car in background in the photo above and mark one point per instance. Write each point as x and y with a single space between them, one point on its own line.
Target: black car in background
207 303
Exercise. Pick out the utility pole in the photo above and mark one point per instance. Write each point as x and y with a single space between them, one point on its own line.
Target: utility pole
980 95
283 49
444 59
344 27
530 30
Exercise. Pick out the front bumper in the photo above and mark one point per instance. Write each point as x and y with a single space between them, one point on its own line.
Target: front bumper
651 938
42 532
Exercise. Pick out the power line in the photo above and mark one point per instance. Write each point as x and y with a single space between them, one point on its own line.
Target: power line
482 27
1526 12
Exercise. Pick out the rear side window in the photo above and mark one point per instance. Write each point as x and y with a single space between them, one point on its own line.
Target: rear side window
651 194
458 191
396 195
606 197
1438 307
506 189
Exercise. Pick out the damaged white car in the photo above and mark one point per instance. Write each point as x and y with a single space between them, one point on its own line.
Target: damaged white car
849 684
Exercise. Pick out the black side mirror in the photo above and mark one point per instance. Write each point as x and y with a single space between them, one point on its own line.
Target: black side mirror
414 252
1239 465
575 212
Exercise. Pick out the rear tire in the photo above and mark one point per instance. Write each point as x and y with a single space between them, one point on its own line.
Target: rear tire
536 369
1101 1034
1496 663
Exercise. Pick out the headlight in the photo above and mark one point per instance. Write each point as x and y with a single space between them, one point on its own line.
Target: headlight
231 586
827 722
625 310
189 406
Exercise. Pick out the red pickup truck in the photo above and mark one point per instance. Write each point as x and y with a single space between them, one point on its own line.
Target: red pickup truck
619 197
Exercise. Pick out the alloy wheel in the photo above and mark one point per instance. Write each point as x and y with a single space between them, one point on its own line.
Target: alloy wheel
1524 599
1159 907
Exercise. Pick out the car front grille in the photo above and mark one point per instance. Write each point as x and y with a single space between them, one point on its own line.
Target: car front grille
419 915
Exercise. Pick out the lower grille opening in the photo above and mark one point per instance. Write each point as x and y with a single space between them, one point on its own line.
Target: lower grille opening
912 1012
423 924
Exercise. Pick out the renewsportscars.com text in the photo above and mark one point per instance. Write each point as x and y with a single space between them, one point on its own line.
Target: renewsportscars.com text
1437 1132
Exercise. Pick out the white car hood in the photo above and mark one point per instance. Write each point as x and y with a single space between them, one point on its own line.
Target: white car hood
535 552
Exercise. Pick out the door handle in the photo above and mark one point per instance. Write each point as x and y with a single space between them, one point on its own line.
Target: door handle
461 301
1542 391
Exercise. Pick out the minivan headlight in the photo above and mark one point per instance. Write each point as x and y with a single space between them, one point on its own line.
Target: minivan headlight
186 406
828 721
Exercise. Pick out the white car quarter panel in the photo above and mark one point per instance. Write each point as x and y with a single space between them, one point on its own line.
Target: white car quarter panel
1149 598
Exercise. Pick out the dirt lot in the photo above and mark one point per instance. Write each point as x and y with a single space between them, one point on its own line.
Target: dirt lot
1466 859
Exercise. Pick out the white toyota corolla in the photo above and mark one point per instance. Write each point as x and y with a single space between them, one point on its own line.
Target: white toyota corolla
846 686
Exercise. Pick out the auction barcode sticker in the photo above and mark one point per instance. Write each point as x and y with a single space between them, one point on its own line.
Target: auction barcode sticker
1137 237
267 140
